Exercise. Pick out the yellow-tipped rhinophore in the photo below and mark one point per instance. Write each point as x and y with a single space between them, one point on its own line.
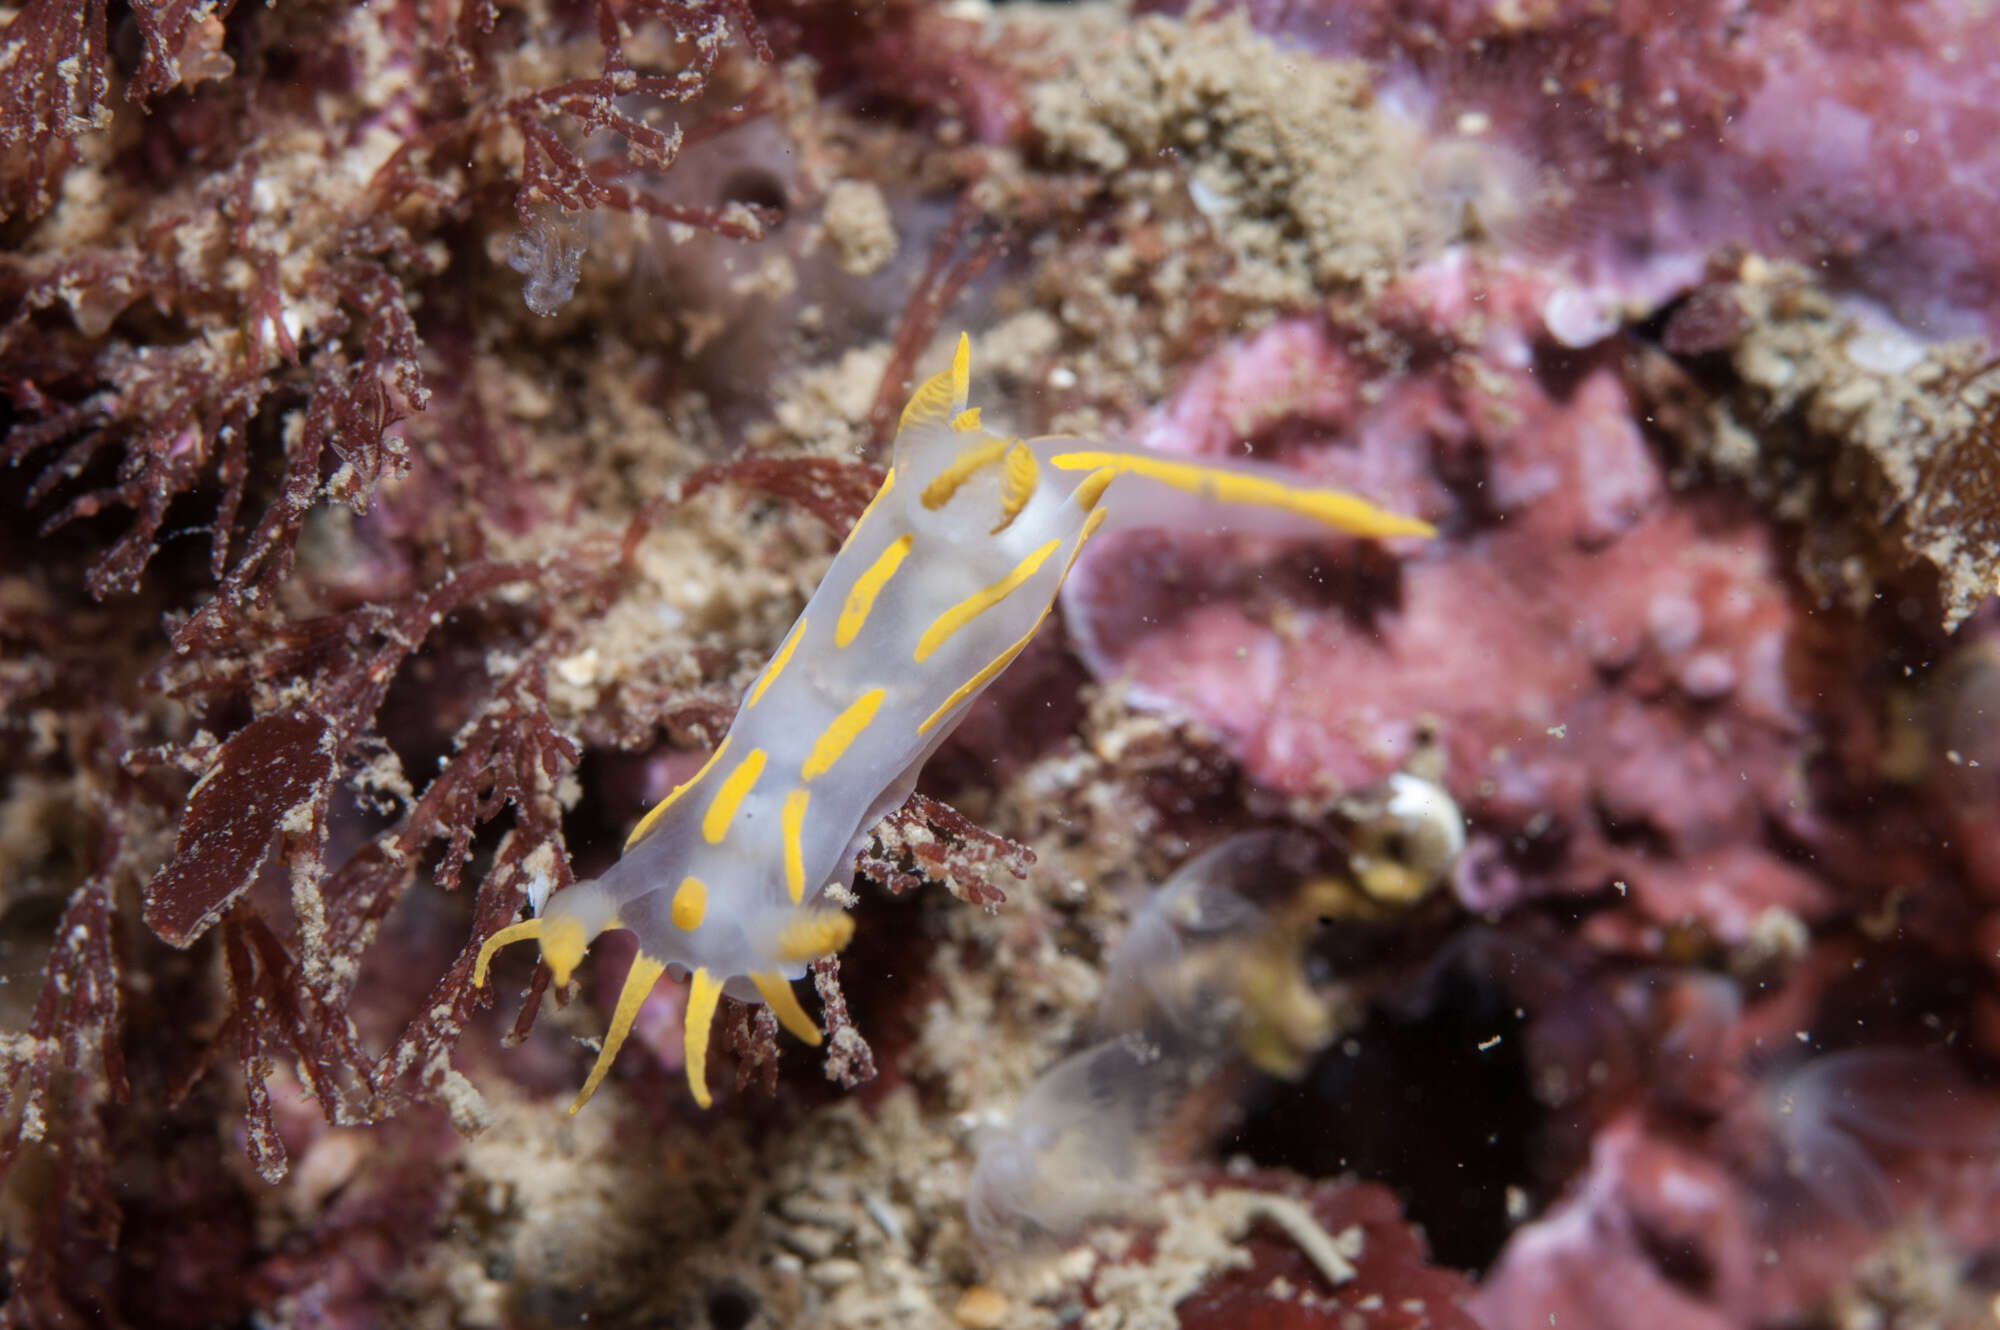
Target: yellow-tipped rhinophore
938 397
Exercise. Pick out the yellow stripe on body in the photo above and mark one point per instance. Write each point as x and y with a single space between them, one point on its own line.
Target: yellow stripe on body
963 468
980 601
703 992
793 821
729 796
1017 486
690 905
1333 508
1006 658
845 729
777 993
778 662
866 587
639 981
659 809
966 421
937 395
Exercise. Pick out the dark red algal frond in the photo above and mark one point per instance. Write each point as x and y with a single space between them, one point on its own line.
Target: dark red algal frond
166 27
53 84
178 414
424 1047
753 1035
555 172
1956 500
274 1012
849 1060
928 841
73 1028
269 773
270 783
169 414
51 89
834 491
74 1032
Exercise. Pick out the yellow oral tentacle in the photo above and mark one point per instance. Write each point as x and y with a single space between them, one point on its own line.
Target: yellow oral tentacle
520 932
563 944
777 993
703 993
639 982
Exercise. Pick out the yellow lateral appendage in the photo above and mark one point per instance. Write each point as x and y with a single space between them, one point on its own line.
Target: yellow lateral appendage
777 993
1334 508
639 981
704 990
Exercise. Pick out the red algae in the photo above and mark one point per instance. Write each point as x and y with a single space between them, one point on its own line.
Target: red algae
1394 1286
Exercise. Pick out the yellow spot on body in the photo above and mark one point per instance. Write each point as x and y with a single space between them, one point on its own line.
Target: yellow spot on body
866 587
1333 508
659 809
639 981
844 730
966 421
690 904
703 992
793 821
963 468
980 601
722 808
778 662
512 933
1017 486
812 934
1004 659
1092 488
777 993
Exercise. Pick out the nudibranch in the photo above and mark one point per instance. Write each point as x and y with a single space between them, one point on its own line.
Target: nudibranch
941 584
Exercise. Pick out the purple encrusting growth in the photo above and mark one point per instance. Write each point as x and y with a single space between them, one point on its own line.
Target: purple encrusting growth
336 576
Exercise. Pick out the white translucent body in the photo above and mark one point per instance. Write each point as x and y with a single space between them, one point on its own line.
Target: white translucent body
942 582
954 553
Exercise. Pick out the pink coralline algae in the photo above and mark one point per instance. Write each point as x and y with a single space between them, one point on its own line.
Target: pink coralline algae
1604 663
1619 150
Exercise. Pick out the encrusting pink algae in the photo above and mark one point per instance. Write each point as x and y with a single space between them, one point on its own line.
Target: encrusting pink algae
425 421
